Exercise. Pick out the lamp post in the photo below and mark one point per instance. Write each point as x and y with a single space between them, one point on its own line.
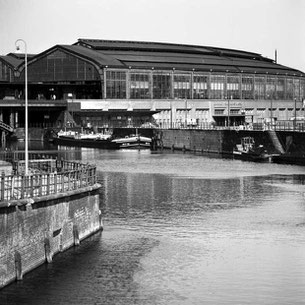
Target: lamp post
26 132
229 111
185 113
271 113
171 114
295 114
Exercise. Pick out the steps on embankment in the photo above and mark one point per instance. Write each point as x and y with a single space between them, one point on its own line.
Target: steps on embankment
275 141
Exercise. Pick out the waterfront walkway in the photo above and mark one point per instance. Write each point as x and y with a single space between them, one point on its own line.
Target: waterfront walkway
47 177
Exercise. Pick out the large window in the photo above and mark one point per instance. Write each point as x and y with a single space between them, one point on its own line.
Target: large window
6 73
217 86
302 88
259 87
162 86
116 84
139 86
202 115
182 86
233 87
247 87
270 88
280 88
200 86
296 88
61 66
2 73
289 88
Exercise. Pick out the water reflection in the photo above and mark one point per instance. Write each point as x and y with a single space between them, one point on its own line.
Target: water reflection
182 229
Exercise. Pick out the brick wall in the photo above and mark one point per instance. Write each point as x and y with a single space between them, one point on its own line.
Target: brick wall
206 140
32 231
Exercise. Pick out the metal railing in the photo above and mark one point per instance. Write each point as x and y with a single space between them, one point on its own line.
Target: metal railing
47 177
6 127
289 125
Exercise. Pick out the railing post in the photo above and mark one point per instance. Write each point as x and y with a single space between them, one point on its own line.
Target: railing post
55 183
2 186
62 182
22 186
69 180
31 185
40 184
81 176
48 184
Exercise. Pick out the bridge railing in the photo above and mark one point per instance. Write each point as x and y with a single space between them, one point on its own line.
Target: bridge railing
47 177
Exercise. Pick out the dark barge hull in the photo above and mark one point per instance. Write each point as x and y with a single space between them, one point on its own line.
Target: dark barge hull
288 159
251 157
102 144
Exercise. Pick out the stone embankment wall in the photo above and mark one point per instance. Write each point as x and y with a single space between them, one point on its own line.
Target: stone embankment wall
224 141
33 230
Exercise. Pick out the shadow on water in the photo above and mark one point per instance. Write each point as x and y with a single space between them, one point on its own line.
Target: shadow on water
100 271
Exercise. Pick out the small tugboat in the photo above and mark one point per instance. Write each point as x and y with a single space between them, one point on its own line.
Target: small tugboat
248 151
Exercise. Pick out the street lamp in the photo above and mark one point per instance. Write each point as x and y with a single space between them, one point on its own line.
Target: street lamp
229 110
295 114
26 157
185 113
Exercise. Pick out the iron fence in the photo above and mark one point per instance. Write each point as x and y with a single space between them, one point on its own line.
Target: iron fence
46 177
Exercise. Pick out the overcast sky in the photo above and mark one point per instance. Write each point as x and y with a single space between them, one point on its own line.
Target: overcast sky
259 26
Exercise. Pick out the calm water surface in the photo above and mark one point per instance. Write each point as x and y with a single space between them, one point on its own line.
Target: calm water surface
182 229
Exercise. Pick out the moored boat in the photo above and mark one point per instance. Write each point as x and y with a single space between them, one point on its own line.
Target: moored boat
248 151
133 141
94 140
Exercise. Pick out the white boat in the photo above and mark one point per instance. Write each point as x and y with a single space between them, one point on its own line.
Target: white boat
134 141
97 140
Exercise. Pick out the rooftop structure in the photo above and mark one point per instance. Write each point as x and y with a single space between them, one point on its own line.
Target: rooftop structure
186 80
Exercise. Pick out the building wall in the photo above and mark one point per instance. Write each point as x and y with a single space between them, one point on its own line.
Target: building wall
32 231
201 113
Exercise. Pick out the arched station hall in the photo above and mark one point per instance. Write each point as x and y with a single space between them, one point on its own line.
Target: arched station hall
107 83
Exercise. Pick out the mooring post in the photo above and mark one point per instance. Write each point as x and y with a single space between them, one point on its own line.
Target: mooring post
60 242
101 220
76 235
47 249
18 266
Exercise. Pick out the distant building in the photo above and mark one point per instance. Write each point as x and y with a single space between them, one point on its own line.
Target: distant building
111 83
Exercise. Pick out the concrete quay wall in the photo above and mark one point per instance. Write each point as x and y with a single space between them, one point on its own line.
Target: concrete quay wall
33 230
222 141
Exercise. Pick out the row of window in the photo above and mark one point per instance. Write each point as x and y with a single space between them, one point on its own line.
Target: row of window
6 73
166 85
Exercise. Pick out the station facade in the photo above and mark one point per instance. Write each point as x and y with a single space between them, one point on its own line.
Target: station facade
124 83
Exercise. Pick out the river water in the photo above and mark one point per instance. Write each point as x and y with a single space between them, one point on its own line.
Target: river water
182 229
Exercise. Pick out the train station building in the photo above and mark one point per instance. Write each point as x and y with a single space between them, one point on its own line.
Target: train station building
107 83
